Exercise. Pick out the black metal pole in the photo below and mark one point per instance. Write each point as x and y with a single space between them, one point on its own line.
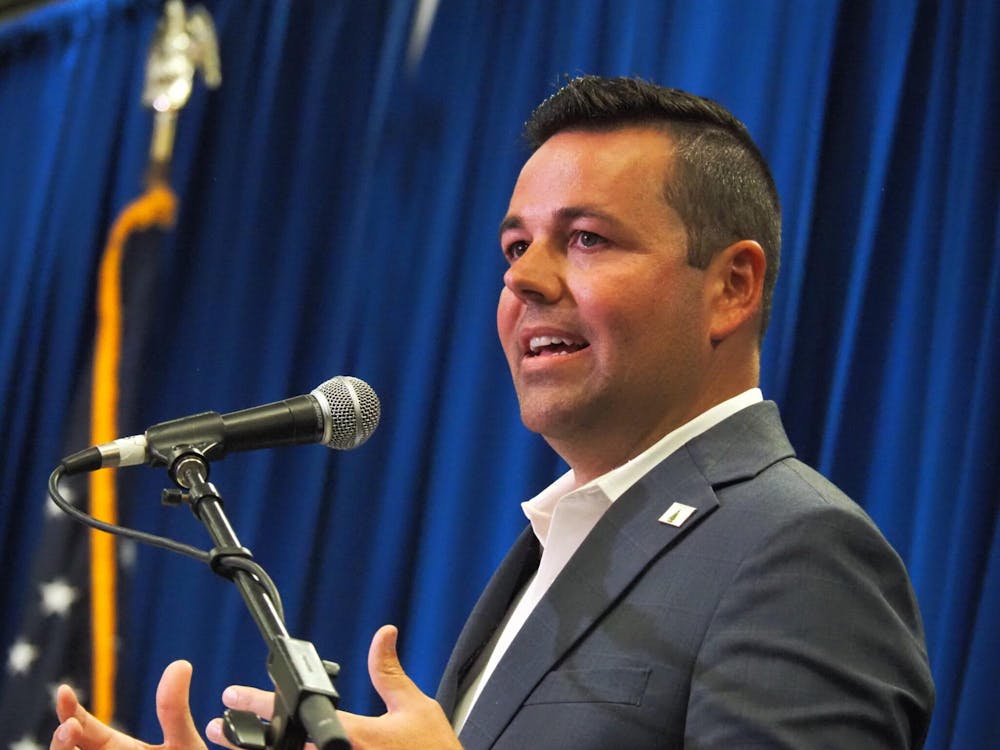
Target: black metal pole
305 699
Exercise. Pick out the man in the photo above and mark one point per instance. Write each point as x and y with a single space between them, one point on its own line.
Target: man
688 583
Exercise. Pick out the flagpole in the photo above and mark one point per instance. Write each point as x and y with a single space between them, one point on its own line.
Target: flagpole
184 42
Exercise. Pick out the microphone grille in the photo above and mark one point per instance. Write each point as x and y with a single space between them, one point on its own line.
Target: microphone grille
353 411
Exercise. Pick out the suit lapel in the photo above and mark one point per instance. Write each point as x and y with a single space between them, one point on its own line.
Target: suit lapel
514 571
621 546
623 543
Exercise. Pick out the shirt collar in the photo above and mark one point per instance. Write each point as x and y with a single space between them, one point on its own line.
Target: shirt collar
616 482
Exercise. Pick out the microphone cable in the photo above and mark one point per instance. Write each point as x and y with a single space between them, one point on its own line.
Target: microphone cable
222 563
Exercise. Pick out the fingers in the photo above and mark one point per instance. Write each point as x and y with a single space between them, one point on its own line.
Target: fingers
214 733
67 735
79 729
413 721
243 698
66 702
78 726
173 709
386 673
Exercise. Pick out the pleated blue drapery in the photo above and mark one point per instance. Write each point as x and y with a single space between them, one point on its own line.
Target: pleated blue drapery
339 205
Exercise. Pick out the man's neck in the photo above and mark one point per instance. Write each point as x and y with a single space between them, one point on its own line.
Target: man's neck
593 455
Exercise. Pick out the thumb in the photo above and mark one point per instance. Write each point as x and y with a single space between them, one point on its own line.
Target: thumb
172 707
385 671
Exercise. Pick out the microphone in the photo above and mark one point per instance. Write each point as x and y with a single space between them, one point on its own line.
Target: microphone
342 413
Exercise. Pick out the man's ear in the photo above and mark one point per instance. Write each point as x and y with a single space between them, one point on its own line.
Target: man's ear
736 288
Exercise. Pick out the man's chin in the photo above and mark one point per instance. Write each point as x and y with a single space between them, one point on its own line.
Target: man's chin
552 418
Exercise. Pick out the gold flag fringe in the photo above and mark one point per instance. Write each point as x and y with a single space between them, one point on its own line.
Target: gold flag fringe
157 207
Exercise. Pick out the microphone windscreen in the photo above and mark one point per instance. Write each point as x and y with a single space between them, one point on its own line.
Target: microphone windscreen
352 411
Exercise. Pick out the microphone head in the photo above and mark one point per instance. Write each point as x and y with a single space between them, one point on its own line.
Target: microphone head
351 409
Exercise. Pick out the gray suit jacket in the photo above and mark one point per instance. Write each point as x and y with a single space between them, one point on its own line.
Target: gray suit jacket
776 616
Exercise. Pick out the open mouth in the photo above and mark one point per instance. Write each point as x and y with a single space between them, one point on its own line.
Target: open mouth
553 346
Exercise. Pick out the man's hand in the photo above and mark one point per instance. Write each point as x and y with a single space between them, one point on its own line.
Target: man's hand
80 729
413 721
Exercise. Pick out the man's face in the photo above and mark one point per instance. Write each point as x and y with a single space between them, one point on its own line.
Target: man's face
602 320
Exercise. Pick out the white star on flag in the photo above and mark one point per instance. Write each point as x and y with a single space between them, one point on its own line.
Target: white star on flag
25 743
127 553
54 511
57 597
20 657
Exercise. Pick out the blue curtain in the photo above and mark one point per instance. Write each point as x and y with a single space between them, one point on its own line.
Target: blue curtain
339 203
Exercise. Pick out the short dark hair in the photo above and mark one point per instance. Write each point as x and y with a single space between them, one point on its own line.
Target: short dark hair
720 185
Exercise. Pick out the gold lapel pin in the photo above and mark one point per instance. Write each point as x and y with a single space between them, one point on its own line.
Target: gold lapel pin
677 514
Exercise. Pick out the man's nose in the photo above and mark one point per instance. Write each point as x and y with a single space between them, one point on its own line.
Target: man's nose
537 276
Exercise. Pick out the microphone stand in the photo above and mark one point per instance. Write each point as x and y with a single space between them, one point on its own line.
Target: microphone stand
304 699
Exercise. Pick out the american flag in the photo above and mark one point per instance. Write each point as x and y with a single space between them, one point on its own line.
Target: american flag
80 577
55 642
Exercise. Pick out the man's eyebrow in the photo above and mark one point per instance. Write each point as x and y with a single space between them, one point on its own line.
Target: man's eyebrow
564 215
569 213
510 222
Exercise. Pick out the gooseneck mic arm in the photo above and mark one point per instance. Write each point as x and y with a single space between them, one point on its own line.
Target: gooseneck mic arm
305 699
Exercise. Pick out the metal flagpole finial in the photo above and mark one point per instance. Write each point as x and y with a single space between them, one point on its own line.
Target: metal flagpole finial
184 43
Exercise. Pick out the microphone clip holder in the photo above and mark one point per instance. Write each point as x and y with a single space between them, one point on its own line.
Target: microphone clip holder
305 699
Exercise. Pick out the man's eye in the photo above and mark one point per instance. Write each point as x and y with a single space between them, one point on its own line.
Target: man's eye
515 250
589 239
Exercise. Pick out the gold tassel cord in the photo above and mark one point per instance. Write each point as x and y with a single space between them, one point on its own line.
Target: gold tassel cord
157 207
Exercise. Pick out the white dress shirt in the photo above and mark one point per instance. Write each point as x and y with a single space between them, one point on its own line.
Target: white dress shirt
561 518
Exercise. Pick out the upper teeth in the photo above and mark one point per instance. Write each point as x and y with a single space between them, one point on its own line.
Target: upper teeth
537 342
